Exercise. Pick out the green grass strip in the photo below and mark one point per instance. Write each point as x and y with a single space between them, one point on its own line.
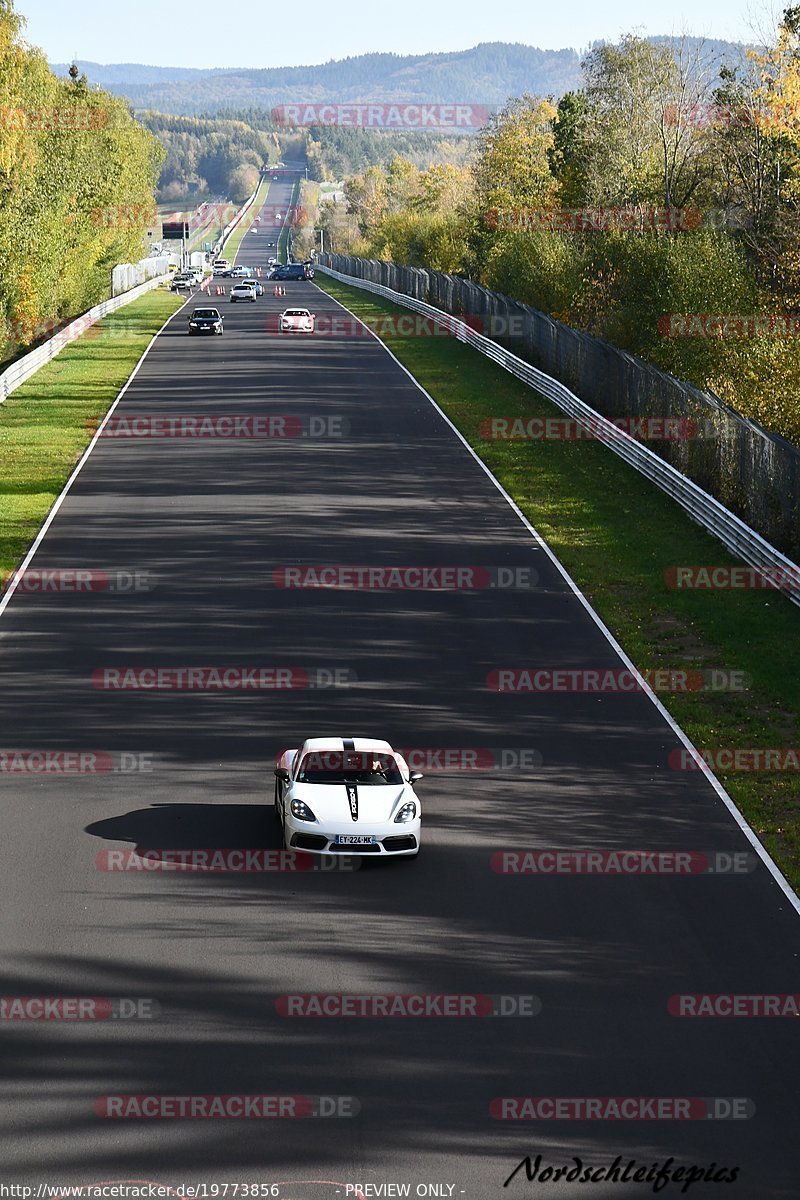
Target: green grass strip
231 247
46 424
617 535
283 239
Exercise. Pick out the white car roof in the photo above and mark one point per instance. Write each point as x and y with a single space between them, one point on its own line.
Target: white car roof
363 745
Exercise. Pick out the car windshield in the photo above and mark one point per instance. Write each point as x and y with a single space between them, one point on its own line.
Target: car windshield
205 312
297 312
371 768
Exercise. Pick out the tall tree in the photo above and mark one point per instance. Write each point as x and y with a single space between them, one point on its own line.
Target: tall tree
512 169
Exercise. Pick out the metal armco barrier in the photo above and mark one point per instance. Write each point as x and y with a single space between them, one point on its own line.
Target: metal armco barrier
20 371
228 230
23 368
738 537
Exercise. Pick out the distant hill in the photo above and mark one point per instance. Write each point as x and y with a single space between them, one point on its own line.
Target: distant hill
487 74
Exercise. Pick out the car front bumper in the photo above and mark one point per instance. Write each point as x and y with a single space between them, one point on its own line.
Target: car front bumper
392 839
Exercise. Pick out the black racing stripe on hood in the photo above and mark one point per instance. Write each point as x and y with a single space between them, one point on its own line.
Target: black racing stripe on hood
349 747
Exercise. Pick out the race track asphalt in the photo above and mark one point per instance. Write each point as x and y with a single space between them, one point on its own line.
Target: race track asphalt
371 474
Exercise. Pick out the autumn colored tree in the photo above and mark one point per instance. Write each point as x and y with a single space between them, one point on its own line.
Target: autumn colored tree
512 169
77 175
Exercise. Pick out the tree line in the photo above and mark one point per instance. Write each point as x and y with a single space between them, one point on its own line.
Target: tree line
661 194
209 156
77 174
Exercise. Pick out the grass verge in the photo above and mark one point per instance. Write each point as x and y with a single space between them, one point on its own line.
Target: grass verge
233 244
46 424
617 535
283 238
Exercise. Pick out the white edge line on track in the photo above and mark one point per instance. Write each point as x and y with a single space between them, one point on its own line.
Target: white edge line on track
53 513
759 848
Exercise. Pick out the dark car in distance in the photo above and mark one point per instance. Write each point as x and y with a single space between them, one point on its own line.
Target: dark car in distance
291 271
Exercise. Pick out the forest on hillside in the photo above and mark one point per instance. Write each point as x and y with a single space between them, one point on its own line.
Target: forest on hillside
206 157
656 206
484 74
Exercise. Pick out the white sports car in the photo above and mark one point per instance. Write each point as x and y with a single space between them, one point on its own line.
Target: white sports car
246 290
347 795
298 320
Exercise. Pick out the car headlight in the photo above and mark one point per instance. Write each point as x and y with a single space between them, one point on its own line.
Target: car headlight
193 324
407 811
302 811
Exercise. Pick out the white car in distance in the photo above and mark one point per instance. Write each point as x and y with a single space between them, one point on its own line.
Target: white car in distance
297 320
347 795
243 291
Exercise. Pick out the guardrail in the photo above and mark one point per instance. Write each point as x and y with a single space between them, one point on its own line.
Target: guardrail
228 230
734 534
286 236
21 370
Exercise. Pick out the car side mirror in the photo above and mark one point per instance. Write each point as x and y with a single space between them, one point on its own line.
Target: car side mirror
415 776
282 773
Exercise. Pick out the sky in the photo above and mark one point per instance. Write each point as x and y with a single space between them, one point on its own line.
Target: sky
252 33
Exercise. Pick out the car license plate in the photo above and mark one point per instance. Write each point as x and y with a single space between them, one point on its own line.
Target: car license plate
355 839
